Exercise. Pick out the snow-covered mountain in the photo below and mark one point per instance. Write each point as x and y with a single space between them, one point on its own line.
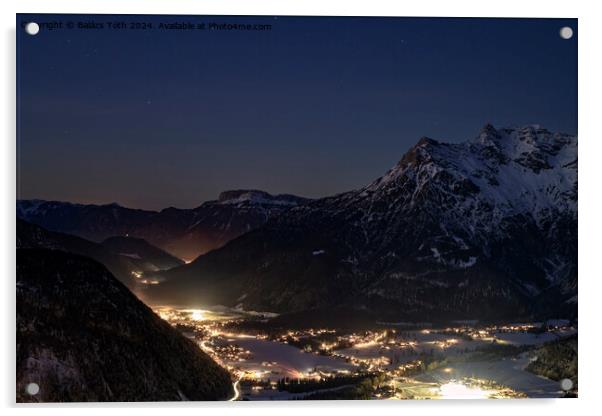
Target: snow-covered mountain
185 233
487 227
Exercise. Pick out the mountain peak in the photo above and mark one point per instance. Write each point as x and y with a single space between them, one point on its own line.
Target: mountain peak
242 194
488 135
494 223
425 141
488 128
517 143
418 152
254 196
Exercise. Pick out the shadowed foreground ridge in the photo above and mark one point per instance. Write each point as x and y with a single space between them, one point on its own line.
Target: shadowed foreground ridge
83 336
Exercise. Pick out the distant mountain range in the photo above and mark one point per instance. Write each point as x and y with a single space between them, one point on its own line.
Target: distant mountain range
84 337
184 233
486 228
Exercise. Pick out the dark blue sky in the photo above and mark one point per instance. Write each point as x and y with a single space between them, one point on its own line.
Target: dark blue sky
314 106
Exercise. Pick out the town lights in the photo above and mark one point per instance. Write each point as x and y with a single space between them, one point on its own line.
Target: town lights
197 315
453 390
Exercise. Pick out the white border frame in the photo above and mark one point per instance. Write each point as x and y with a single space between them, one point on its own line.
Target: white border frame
590 151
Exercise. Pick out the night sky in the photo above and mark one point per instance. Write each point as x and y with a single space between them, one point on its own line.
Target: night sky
314 106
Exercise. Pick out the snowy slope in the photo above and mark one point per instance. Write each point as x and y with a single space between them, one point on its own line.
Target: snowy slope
488 226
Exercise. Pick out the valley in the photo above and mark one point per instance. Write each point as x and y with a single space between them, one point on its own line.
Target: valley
452 275
463 360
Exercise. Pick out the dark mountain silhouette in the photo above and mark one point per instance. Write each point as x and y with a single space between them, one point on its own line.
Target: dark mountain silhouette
145 255
126 258
83 336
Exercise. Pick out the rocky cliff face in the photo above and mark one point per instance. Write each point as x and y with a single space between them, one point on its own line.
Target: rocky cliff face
484 228
82 336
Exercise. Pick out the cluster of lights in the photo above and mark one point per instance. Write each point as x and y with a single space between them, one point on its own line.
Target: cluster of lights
405 369
443 344
472 388
300 334
139 277
467 388
370 364
232 352
366 351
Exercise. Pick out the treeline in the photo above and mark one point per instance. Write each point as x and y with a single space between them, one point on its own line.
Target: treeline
314 343
363 390
429 361
557 360
496 350
462 335
307 384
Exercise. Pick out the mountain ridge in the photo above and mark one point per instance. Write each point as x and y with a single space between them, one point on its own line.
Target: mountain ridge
489 224
184 233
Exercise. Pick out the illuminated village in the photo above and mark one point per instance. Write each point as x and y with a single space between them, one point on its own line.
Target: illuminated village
463 361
